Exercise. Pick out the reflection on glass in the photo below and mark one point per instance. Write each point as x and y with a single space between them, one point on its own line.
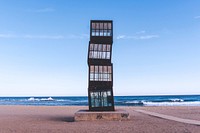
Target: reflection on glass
101 29
100 73
101 98
100 51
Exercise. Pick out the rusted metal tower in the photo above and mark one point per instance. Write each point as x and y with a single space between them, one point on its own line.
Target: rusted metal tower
100 86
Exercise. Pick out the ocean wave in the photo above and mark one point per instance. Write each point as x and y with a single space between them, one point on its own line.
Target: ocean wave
47 99
195 103
55 100
133 103
177 100
171 102
72 101
42 99
119 101
61 100
33 99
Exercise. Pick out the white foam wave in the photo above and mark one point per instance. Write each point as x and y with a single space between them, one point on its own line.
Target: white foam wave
134 102
33 99
195 103
177 100
51 99
42 99
47 99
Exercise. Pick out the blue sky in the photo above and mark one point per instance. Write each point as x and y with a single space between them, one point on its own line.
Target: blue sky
43 46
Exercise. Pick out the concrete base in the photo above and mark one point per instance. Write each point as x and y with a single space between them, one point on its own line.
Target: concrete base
117 115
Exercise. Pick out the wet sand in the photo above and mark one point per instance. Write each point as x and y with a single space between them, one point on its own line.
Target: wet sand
60 119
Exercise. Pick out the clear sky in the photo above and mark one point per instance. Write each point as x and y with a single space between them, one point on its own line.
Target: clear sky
44 43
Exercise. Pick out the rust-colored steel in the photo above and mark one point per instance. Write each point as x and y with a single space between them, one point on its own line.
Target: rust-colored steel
100 75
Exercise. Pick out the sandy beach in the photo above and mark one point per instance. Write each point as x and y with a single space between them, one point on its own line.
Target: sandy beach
60 119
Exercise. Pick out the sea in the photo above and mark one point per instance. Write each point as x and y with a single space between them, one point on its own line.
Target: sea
166 100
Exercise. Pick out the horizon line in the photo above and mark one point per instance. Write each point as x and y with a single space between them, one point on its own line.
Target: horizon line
114 96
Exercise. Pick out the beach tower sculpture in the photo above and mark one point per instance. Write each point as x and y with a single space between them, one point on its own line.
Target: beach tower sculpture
100 75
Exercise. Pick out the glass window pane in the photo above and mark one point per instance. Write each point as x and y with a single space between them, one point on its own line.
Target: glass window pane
96 69
108 47
91 76
109 77
104 32
106 77
93 32
97 32
96 77
103 55
91 69
109 32
101 26
93 25
104 47
100 47
109 69
100 69
94 99
107 55
95 54
91 54
91 46
108 93
95 47
105 69
101 33
105 26
109 26
101 98
97 26
100 55
101 77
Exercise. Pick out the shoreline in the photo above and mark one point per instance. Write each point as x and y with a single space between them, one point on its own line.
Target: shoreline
60 119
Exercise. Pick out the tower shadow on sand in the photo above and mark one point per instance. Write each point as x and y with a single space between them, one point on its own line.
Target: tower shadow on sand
63 118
